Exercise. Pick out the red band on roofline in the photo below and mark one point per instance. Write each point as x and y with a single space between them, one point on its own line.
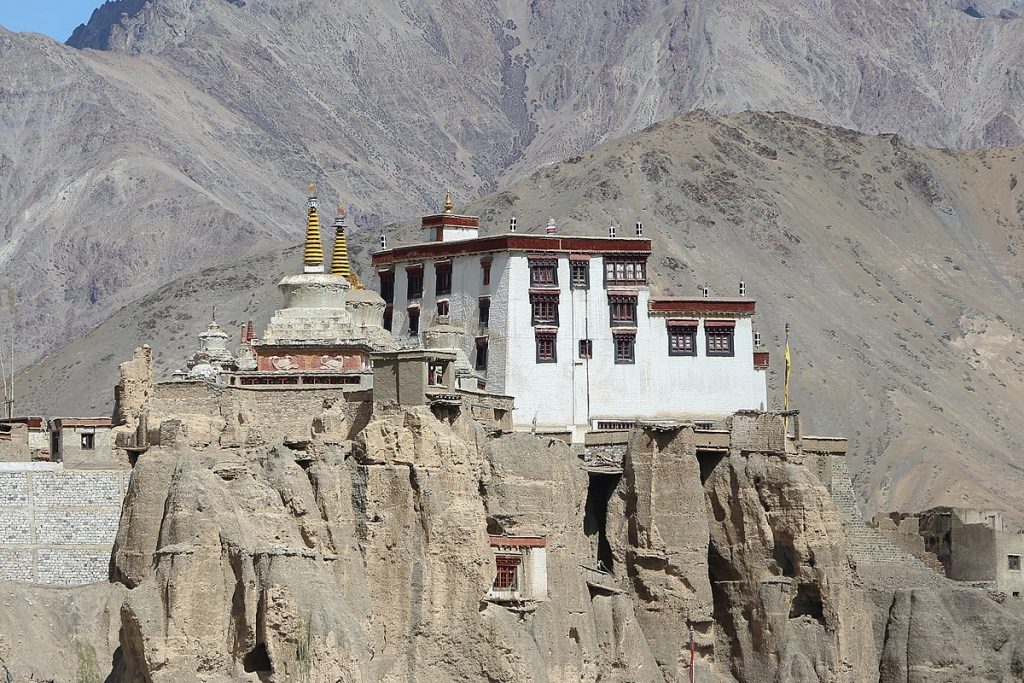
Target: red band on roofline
719 323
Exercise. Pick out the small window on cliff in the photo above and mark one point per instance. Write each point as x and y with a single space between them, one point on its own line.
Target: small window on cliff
1013 562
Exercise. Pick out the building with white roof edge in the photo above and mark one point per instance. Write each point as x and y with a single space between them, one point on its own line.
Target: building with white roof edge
567 326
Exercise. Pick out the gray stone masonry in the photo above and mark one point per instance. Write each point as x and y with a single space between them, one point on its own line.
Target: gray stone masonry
57 526
866 545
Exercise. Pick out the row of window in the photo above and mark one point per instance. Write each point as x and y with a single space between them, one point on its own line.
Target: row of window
619 271
443 309
682 341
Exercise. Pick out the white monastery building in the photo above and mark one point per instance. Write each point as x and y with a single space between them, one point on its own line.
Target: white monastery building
567 326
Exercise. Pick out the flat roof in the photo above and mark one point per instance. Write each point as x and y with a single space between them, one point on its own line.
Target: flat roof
514 242
702 304
61 422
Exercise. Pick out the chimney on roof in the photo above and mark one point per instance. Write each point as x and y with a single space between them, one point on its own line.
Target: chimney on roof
383 240
743 288
757 339
611 231
639 229
512 224
550 228
705 290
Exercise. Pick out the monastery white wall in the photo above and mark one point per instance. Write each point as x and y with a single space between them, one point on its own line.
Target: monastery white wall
573 392
570 394
57 526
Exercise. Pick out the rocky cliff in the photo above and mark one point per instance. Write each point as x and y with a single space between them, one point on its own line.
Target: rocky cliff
169 137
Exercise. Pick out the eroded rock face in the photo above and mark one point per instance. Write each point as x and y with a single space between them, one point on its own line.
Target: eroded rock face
366 557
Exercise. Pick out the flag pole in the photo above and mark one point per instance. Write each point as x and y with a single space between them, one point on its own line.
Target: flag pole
785 397
693 653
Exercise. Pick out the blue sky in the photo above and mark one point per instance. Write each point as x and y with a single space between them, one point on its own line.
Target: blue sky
55 18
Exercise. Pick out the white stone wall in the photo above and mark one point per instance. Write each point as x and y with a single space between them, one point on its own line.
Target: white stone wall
57 526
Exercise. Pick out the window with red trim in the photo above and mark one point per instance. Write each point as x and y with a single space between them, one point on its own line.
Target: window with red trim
544 272
623 310
546 347
719 340
545 308
443 277
625 345
507 578
625 270
682 340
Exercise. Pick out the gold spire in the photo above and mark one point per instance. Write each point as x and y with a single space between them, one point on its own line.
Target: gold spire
339 257
313 255
448 204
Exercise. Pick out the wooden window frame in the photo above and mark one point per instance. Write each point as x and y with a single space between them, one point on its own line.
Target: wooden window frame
618 342
576 268
543 338
88 441
442 277
443 307
682 330
543 266
540 301
617 303
485 267
629 271
414 314
387 285
506 578
413 274
482 353
1010 558
713 347
484 311
586 348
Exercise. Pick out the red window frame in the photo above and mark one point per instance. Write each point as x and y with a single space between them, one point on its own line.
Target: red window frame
547 346
544 308
507 576
719 338
485 267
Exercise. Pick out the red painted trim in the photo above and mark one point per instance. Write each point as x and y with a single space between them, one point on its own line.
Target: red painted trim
594 245
414 266
519 541
579 257
681 323
450 220
761 359
546 292
719 323
626 293
623 331
702 305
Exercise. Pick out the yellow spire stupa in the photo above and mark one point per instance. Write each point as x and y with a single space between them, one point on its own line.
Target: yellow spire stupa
448 203
339 257
313 256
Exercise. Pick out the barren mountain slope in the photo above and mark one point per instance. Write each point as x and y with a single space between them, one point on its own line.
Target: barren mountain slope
898 268
173 147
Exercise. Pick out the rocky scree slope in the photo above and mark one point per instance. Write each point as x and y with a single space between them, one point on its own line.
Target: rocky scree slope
168 137
898 268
